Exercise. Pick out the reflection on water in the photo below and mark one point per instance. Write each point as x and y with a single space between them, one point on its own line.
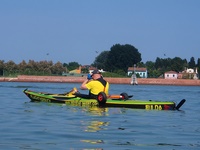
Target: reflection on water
94 126
97 111
93 141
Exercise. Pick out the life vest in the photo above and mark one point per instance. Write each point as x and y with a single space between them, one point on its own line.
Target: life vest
103 82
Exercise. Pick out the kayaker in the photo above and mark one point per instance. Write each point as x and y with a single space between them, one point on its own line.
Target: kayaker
95 85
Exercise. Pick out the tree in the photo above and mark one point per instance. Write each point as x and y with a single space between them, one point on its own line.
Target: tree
161 66
45 67
168 64
158 63
198 62
100 60
191 63
11 67
22 66
150 67
141 65
120 57
71 65
57 68
31 68
177 64
198 66
1 67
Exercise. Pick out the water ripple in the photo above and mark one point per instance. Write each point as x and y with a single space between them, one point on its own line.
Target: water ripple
36 126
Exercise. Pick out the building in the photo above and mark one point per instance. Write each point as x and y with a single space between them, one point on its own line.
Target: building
171 75
77 71
142 72
189 74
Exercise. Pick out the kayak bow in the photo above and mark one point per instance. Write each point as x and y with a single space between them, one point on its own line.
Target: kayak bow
71 98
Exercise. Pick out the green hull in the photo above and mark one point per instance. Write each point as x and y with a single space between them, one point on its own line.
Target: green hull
78 101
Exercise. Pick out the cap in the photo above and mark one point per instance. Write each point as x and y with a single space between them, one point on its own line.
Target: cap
96 72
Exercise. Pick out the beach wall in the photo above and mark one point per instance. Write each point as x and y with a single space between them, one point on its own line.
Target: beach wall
69 79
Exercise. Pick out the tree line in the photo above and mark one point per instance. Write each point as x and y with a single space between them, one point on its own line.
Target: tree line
31 67
113 61
162 65
120 57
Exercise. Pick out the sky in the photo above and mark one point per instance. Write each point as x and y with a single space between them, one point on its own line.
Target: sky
79 30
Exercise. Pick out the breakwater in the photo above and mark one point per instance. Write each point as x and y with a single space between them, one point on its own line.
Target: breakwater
112 80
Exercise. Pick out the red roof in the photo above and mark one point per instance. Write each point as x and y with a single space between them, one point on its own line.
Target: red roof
171 72
137 69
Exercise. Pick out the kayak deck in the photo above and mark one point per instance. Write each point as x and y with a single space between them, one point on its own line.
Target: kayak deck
70 99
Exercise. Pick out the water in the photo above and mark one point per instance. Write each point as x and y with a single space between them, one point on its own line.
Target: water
36 126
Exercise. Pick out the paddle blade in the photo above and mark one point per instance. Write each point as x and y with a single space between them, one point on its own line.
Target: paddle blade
180 104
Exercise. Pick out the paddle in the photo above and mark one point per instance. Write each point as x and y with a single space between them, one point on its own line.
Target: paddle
180 104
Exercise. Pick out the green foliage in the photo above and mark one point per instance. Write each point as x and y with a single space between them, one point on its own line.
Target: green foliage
100 60
192 63
122 57
31 68
111 74
1 68
198 65
150 67
177 64
71 65
141 65
84 70
115 62
168 64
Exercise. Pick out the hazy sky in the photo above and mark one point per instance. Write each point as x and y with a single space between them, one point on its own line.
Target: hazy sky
73 30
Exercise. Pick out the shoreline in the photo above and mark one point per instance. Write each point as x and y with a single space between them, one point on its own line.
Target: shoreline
111 80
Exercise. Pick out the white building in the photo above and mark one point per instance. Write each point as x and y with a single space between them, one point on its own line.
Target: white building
141 71
171 75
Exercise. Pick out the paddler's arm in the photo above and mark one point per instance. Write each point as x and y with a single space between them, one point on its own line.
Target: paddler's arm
83 87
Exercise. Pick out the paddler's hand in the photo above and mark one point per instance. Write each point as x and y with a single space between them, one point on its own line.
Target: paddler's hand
89 77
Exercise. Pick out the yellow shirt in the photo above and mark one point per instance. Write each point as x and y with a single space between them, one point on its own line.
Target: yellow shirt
95 87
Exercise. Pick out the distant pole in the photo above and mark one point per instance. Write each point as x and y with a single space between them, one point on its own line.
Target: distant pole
134 68
134 78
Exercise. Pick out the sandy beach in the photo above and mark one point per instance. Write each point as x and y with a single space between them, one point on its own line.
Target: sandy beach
67 79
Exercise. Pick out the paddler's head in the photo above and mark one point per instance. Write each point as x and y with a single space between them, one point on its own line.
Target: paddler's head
96 74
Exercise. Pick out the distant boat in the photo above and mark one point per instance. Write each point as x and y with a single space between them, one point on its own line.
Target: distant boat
134 80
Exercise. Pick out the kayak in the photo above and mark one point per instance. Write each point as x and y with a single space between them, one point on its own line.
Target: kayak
122 100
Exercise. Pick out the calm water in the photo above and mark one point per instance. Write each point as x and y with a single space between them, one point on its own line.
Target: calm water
37 126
